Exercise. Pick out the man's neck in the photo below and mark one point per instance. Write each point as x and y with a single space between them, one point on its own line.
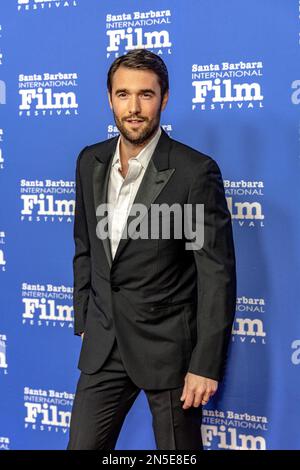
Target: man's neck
128 150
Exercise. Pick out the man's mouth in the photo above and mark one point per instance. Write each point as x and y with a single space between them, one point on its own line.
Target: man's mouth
135 122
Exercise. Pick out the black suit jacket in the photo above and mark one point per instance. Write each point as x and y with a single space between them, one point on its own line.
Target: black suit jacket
170 309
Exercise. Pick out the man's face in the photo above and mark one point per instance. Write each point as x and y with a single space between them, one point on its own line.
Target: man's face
135 101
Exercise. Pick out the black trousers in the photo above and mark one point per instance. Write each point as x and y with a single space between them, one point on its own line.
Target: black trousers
102 401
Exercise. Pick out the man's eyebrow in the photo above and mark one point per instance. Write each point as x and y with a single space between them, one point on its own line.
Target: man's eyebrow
144 90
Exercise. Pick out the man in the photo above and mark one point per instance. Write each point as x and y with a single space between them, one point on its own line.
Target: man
154 315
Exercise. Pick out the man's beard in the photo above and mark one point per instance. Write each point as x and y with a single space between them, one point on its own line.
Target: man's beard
140 136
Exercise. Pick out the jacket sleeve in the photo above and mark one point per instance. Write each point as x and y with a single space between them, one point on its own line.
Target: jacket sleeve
216 275
81 259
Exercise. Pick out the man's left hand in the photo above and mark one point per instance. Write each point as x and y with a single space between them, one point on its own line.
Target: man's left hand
197 390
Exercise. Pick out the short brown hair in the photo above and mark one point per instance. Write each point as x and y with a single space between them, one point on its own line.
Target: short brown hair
144 60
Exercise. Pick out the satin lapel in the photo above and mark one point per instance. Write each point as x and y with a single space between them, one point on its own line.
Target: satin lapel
152 184
100 186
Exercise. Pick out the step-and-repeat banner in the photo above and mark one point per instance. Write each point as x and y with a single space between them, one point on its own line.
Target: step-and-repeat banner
234 95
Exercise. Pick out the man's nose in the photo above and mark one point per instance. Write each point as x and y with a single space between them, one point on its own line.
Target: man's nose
134 105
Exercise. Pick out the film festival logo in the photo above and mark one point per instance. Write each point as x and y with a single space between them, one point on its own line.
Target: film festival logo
47 200
3 358
113 131
1 149
138 29
245 213
227 86
166 222
229 430
26 5
48 94
2 254
47 410
47 305
249 330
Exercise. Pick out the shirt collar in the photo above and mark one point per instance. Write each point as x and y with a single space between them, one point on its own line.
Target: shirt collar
144 155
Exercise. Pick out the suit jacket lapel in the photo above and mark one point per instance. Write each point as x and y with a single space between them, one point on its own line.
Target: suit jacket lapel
151 185
155 179
100 187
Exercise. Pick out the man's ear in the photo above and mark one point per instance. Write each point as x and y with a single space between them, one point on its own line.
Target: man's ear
109 99
165 100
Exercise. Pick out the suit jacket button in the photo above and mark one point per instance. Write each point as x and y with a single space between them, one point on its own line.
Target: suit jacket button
115 288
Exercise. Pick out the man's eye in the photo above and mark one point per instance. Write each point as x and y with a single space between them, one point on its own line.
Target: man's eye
147 95
122 95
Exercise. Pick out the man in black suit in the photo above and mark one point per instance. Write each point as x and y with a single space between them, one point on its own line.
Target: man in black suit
154 313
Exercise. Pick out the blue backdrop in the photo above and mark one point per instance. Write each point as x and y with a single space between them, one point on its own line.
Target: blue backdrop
235 95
